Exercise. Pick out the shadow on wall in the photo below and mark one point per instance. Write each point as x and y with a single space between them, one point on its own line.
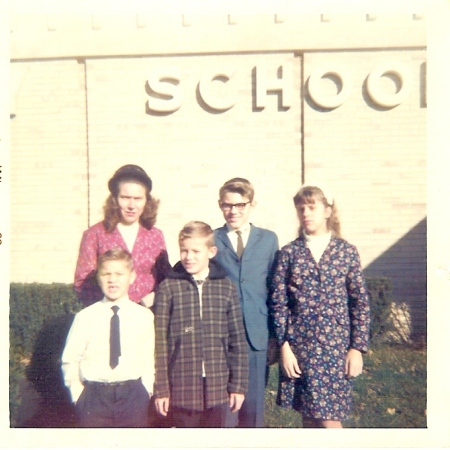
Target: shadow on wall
405 263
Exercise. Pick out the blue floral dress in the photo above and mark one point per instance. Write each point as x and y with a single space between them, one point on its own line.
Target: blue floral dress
322 310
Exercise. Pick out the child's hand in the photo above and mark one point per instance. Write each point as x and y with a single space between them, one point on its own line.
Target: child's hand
148 300
289 362
236 401
162 405
353 363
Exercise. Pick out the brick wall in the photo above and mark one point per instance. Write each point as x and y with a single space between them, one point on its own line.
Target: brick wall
81 111
191 152
48 181
375 160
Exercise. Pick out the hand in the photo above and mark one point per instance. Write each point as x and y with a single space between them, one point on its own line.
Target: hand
353 363
236 401
148 300
289 362
162 405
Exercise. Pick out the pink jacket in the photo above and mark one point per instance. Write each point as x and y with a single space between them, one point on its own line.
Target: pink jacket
149 256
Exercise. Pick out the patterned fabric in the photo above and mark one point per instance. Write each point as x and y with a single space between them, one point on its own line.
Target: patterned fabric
322 310
184 339
150 260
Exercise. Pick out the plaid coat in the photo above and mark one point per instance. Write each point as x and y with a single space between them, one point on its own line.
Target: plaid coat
184 339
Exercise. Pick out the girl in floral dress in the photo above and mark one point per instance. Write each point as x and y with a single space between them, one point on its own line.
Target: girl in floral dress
320 309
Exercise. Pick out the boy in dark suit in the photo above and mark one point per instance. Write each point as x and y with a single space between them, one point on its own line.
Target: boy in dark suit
201 358
247 254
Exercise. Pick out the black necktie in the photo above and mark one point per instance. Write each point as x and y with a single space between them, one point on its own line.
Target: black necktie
114 339
240 244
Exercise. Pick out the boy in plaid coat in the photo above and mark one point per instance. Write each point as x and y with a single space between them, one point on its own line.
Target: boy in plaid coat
201 353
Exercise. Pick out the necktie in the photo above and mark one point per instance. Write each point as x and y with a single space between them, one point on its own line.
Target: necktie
240 244
114 339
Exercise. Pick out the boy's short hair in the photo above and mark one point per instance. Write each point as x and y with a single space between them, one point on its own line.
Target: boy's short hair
196 228
239 186
116 254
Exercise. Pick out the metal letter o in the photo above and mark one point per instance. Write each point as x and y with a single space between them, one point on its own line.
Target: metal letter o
385 99
329 101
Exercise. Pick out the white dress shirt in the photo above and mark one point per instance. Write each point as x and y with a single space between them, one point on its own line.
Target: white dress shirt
233 237
86 354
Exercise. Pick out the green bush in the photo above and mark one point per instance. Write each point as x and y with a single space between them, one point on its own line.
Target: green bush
40 316
380 294
31 305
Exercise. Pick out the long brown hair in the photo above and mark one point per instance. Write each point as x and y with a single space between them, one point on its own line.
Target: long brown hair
112 214
311 194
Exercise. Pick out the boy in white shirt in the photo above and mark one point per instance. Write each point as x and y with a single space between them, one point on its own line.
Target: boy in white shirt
108 360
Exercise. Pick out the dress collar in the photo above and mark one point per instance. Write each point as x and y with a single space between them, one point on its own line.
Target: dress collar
317 240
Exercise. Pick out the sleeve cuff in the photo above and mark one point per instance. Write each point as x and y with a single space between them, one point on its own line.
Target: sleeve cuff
75 391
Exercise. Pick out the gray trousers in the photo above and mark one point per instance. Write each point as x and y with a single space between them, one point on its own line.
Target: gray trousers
251 414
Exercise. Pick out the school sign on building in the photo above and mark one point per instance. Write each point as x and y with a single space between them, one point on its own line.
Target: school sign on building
198 99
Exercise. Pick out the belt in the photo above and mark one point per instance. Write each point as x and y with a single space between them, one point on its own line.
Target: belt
111 383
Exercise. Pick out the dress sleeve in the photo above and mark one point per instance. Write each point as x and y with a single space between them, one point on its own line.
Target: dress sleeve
359 305
85 283
278 303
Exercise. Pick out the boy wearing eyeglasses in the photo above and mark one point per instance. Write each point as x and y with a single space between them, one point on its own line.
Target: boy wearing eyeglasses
247 254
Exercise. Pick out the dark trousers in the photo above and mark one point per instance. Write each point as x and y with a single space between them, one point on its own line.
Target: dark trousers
251 414
209 418
107 405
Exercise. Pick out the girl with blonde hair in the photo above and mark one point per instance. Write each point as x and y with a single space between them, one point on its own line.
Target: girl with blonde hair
320 309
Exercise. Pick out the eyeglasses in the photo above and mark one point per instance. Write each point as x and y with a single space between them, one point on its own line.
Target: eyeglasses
230 206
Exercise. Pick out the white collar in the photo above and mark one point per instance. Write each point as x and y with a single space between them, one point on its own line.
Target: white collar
244 229
322 238
201 276
120 302
128 228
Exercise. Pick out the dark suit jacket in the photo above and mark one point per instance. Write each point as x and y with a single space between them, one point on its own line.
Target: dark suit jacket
250 275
